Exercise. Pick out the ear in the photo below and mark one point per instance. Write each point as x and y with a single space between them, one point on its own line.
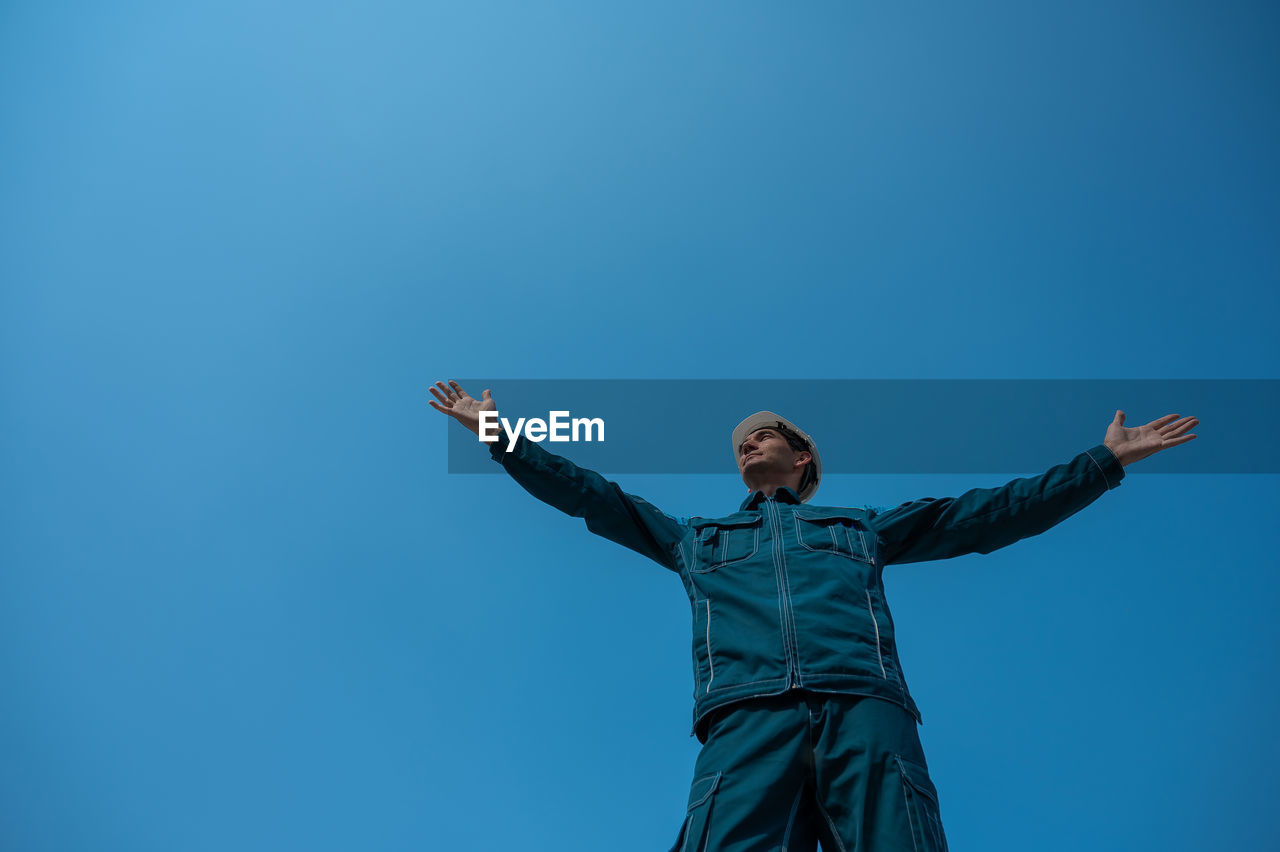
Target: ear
802 458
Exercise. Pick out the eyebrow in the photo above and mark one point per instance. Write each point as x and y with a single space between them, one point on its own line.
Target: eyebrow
757 432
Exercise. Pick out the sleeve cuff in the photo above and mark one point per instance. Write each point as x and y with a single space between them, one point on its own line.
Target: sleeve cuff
1110 467
498 449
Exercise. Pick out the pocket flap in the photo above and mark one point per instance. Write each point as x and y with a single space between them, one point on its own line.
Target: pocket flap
702 788
828 516
918 777
709 525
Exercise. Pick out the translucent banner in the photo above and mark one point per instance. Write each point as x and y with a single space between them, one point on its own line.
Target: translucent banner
876 426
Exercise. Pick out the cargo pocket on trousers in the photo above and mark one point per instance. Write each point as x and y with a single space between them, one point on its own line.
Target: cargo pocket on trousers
693 834
922 807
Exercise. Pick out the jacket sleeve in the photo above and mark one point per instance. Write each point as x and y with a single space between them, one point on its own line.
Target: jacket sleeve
986 519
607 509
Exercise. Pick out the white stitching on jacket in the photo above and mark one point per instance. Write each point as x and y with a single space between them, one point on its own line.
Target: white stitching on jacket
876 624
710 662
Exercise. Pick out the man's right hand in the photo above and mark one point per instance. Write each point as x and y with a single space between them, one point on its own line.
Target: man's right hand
460 405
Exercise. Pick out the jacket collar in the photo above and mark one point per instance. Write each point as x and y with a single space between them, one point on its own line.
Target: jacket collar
782 495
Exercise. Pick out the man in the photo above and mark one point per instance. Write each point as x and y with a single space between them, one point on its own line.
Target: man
808 729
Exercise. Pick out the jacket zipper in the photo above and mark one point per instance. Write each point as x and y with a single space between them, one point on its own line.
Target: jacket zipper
711 663
788 617
876 625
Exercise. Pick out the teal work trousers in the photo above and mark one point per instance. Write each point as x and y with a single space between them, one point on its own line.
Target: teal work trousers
785 773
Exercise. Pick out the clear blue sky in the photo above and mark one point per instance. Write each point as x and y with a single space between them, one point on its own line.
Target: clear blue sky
243 606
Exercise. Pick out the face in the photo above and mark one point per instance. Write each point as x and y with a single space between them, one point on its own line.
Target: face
766 457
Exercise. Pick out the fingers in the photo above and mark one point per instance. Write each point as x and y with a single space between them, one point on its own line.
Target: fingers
446 411
1163 421
448 396
1173 430
449 393
1119 419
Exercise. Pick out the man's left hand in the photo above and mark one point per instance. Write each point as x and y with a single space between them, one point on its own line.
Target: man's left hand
1133 444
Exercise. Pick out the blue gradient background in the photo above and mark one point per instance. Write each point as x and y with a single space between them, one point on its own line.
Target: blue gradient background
243 606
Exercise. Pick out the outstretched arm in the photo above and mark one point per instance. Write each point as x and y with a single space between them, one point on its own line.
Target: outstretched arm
607 509
985 519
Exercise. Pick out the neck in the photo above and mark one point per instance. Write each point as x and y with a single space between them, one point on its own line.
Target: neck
771 488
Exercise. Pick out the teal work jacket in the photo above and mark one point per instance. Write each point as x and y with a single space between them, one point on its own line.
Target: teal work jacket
786 595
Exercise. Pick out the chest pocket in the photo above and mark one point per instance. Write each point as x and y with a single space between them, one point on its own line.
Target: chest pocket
833 531
724 541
